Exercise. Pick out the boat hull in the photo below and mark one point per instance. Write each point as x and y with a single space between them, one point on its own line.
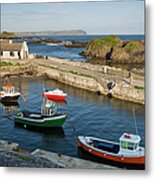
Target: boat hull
55 97
113 158
10 99
53 122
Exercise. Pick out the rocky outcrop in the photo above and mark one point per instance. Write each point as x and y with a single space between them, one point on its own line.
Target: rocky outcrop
115 50
39 41
69 44
13 156
9 35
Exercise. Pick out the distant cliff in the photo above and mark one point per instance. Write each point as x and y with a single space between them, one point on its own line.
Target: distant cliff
8 35
45 33
115 50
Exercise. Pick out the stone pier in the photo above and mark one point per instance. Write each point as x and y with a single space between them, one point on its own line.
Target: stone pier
86 76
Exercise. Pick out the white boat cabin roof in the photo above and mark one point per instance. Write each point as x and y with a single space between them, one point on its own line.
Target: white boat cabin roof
132 138
8 87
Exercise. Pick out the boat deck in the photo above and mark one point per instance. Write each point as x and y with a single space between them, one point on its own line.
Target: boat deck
105 146
38 116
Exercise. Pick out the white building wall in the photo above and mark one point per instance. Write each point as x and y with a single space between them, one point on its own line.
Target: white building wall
6 55
24 53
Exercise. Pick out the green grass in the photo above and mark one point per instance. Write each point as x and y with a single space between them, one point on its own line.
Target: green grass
134 45
5 64
52 67
109 41
7 34
81 74
139 87
22 157
19 156
85 75
2 64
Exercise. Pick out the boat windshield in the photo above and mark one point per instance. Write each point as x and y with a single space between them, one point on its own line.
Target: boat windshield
48 108
128 145
8 90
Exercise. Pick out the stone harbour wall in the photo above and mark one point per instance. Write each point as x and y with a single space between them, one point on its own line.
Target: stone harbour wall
96 83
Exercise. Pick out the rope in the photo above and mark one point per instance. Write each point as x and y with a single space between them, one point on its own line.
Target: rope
134 116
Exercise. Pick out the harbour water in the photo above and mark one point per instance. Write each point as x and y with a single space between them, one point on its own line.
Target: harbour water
88 114
54 50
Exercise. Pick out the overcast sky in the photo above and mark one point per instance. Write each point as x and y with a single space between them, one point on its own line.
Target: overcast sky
93 17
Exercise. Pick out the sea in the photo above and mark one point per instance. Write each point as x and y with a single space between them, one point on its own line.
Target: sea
58 51
89 114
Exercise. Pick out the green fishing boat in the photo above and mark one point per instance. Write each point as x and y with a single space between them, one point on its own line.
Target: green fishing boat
48 117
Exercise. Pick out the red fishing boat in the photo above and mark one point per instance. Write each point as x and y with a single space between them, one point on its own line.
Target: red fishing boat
55 94
127 151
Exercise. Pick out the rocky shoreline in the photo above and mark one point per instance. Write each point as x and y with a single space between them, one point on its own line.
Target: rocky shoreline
112 49
11 155
68 44
127 86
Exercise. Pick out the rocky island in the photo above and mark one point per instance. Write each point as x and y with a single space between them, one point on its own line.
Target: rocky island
114 50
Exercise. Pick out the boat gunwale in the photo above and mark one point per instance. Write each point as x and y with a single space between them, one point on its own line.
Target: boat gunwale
83 141
42 120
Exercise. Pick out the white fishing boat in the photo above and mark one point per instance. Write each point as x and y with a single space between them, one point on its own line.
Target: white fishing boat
9 93
126 151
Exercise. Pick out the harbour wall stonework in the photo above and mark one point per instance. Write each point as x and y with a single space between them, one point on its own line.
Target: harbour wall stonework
99 84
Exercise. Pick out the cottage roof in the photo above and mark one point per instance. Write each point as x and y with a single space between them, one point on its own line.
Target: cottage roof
10 47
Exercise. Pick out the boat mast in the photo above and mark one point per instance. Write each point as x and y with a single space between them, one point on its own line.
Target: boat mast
134 116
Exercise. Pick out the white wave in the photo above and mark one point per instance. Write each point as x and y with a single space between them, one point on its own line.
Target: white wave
52 44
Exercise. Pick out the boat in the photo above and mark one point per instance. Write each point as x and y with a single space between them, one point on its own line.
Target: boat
126 151
55 94
48 117
9 94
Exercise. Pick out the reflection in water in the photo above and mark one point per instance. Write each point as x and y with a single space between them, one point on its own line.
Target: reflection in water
59 101
9 108
88 114
57 132
92 97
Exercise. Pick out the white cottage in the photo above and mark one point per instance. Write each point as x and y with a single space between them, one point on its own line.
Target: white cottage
10 50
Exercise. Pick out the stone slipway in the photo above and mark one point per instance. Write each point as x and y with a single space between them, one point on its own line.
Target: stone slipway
70 162
86 76
12 156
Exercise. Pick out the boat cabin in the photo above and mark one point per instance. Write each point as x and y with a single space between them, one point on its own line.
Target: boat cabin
8 89
129 142
48 108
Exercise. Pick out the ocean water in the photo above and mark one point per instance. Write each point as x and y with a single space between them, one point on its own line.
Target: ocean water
70 53
88 114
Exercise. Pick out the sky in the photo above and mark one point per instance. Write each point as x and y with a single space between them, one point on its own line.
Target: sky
93 17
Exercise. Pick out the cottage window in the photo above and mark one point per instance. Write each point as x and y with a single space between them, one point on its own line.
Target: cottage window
1 53
11 53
